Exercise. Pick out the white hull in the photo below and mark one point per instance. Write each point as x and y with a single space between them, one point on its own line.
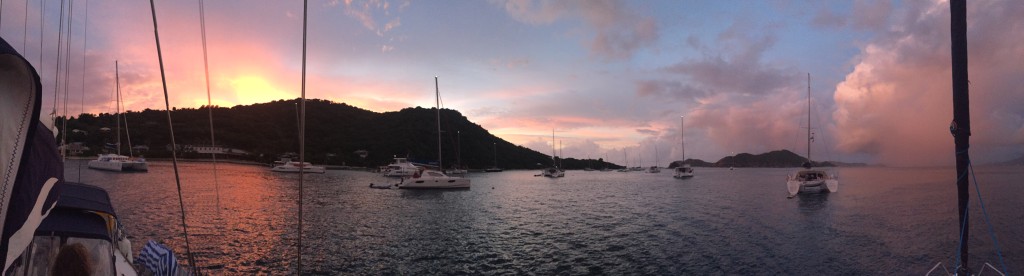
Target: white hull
683 172
119 166
434 180
552 172
683 175
399 173
291 168
820 183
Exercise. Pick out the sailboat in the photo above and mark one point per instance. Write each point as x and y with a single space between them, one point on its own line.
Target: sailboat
495 168
435 179
115 161
625 159
286 165
655 168
810 180
684 170
553 171
458 168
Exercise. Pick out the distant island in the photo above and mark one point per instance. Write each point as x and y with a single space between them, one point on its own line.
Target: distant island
772 159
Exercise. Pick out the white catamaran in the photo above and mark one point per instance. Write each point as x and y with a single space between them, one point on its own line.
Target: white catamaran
684 170
115 161
810 180
435 179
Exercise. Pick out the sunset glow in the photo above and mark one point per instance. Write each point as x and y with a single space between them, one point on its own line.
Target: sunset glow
606 75
257 90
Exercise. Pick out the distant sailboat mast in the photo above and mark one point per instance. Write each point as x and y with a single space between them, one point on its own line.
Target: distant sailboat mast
437 100
117 106
682 138
809 137
553 151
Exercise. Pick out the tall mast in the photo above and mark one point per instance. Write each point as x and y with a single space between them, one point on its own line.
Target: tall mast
437 99
458 148
495 154
961 125
553 152
808 119
682 137
117 106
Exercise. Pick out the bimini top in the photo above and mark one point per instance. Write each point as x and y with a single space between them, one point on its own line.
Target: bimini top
85 197
74 223
76 213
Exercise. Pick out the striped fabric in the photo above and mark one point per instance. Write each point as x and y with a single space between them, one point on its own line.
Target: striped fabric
158 259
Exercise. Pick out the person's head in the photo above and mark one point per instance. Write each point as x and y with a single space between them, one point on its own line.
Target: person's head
72 260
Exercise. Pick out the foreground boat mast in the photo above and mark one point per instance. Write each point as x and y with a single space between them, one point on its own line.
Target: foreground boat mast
961 125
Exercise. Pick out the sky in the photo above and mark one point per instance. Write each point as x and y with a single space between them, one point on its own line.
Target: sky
610 78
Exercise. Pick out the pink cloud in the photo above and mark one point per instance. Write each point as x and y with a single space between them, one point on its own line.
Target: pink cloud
896 104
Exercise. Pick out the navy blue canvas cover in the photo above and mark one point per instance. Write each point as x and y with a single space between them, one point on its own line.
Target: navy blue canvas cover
31 175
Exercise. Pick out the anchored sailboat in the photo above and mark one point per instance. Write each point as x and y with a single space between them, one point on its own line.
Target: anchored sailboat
811 180
115 161
458 169
553 171
655 168
495 168
684 170
435 179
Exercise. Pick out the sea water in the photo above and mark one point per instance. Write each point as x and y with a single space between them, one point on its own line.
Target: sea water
737 222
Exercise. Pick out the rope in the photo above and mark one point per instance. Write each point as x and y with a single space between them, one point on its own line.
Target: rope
302 130
117 98
67 81
174 146
85 42
209 103
960 237
56 79
984 212
127 133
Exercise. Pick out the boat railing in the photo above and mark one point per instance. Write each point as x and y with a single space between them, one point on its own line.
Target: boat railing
944 269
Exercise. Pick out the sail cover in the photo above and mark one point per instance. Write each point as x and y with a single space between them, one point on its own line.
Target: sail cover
30 167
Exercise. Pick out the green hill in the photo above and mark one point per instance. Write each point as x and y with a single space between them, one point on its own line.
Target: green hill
334 133
773 159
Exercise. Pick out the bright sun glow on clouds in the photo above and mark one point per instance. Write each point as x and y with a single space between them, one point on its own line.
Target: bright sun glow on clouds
257 90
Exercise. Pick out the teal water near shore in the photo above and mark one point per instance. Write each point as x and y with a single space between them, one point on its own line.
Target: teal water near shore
882 221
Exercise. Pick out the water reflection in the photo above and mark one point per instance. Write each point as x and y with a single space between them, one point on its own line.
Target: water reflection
812 202
429 194
514 223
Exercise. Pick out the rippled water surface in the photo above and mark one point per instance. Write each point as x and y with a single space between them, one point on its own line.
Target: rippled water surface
882 221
